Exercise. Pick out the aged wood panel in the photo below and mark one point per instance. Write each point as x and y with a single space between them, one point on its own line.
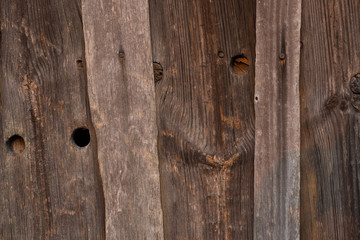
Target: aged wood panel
51 190
205 116
330 120
277 125
122 102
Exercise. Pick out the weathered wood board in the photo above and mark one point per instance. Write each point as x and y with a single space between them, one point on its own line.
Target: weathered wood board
277 125
122 103
205 116
330 120
52 190
210 148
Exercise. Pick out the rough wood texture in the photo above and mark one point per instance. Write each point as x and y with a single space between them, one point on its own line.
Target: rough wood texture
52 190
205 116
330 120
122 103
277 109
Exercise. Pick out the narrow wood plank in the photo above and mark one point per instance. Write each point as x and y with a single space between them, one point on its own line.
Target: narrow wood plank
122 103
330 120
52 190
205 116
277 124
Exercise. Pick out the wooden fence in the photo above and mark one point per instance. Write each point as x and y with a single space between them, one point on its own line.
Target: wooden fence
179 119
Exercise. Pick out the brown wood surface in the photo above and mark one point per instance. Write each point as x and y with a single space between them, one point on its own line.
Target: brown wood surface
52 190
122 102
330 120
277 125
205 117
208 148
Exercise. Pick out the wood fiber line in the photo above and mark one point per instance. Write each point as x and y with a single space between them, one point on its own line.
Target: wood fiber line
122 103
205 117
277 124
330 120
52 190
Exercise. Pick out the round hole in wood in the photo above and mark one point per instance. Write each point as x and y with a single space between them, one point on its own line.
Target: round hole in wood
81 137
240 64
221 54
79 63
16 144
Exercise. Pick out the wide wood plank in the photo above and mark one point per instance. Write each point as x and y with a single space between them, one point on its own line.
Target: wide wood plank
122 103
205 116
330 120
277 125
52 188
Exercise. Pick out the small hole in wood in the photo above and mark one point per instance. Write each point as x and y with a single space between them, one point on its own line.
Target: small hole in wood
282 56
221 54
16 144
81 137
79 63
240 64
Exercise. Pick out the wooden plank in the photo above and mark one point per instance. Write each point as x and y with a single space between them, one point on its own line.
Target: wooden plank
330 121
277 124
205 116
122 103
51 189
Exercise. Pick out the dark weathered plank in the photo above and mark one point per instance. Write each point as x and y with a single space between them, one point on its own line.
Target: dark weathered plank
330 120
52 189
122 103
205 116
277 125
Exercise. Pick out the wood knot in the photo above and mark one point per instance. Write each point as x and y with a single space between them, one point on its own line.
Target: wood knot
80 63
282 58
344 105
221 54
332 102
240 64
16 144
355 102
158 71
121 55
355 84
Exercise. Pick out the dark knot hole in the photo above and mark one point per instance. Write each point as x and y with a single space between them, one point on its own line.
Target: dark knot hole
81 137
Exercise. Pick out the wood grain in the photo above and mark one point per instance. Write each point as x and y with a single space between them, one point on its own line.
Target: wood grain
52 190
205 117
277 125
330 120
122 102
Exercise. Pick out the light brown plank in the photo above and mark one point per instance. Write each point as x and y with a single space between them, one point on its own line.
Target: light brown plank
122 104
277 125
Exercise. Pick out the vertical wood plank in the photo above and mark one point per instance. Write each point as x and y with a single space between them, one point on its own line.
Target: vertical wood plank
277 124
122 103
51 190
205 116
330 120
